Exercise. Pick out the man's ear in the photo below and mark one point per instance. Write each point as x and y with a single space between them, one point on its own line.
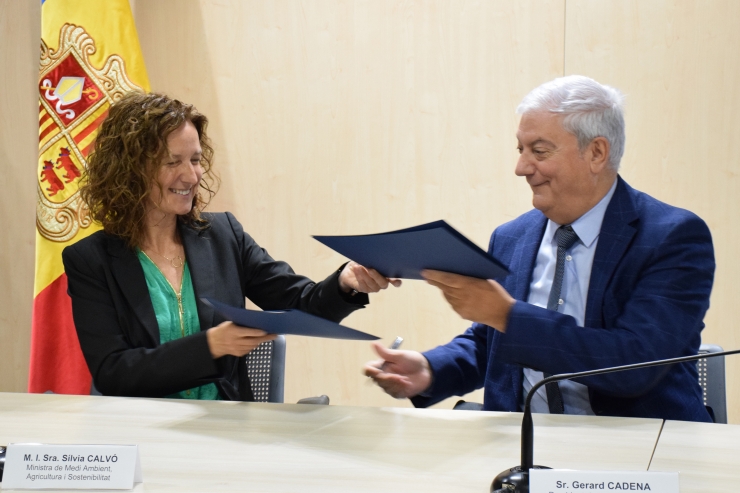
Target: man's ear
599 154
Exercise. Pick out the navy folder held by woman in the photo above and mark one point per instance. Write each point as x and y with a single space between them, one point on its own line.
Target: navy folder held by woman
406 252
293 322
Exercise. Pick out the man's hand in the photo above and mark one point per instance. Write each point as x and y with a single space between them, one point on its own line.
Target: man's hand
229 338
477 300
400 373
364 280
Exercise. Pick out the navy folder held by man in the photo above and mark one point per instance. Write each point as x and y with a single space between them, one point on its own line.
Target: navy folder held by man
406 252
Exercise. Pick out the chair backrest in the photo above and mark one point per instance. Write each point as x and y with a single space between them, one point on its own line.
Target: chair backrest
266 370
712 381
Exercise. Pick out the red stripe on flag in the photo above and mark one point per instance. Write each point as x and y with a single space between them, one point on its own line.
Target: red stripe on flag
86 150
93 125
57 363
46 131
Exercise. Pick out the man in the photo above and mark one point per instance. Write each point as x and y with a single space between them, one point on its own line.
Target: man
601 275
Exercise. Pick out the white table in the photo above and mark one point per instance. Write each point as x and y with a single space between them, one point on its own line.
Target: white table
706 456
226 446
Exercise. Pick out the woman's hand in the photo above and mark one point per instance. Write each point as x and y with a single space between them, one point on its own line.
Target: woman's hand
232 339
358 278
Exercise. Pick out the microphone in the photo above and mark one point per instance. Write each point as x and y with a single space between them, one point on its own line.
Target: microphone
516 479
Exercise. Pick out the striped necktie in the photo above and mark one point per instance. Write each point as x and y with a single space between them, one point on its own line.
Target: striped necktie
565 237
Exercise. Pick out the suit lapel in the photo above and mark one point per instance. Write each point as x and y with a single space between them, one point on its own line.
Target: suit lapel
199 253
129 275
523 259
200 259
617 231
521 267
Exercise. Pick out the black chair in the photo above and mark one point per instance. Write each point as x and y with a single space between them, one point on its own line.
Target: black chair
462 405
2 461
266 370
712 381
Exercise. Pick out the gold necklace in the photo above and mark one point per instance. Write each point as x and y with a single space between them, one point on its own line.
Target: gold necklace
178 294
176 261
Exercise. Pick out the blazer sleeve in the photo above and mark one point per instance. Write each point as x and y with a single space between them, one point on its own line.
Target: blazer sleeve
120 358
273 285
458 367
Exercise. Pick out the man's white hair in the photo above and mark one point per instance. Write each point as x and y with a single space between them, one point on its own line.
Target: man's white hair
590 110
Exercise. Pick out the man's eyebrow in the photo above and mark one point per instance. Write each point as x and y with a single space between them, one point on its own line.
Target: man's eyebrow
537 141
544 142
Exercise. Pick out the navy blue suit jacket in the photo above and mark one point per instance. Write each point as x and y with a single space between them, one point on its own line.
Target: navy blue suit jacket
649 290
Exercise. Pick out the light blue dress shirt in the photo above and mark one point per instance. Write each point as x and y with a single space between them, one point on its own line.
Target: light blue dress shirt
577 274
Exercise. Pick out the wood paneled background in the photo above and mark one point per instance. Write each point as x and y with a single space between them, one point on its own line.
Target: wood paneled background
350 117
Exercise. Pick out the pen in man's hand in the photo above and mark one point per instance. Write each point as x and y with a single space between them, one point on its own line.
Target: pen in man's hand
396 344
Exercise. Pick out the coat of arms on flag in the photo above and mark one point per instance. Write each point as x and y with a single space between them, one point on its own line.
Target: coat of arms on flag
74 100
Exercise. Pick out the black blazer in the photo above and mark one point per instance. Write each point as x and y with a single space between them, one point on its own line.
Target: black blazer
118 330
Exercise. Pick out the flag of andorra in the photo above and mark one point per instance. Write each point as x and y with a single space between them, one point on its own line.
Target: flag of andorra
90 57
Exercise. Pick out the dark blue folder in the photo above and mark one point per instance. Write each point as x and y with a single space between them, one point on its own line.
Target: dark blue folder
294 322
404 253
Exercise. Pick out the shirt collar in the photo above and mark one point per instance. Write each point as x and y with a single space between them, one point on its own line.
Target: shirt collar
588 226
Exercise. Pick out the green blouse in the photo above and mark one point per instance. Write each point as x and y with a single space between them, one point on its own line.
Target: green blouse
168 307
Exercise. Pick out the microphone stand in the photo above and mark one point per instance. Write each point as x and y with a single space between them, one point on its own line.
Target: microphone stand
516 479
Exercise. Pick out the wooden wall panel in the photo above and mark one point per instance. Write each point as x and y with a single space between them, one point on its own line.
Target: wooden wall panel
348 117
677 63
20 34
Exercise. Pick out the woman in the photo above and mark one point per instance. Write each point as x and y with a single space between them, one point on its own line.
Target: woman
135 285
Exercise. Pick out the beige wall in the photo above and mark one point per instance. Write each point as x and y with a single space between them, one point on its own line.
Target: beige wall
20 35
364 116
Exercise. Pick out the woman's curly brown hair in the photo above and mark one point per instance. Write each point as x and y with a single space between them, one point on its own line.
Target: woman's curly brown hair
128 152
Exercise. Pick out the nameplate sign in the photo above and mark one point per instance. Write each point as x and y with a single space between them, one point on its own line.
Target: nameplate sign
566 481
34 466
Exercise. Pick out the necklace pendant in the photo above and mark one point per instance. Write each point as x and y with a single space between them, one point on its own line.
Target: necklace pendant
177 262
